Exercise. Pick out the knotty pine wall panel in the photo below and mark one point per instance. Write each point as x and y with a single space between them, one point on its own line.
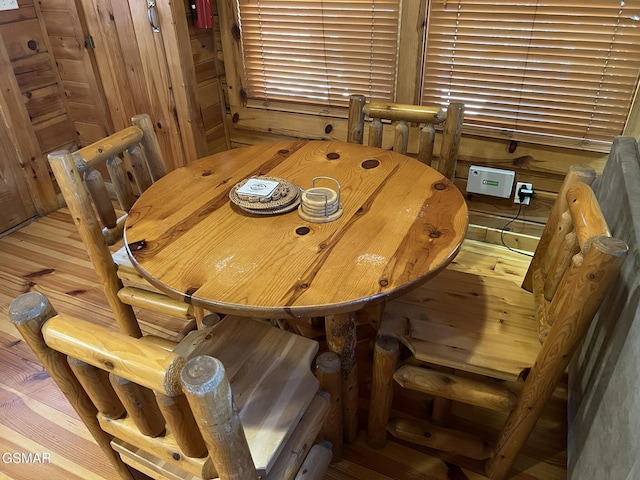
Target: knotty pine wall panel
209 90
33 99
27 45
45 103
25 11
85 101
23 38
34 72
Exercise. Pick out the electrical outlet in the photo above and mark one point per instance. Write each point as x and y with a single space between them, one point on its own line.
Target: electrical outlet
524 186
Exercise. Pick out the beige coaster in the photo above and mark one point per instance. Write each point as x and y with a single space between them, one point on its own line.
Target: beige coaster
319 218
285 194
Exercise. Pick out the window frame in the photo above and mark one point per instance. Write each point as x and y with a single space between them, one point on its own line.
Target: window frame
330 123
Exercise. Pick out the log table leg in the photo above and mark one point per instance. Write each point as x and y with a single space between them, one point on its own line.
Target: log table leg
341 339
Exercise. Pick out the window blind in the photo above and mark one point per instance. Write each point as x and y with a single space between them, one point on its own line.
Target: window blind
319 52
558 70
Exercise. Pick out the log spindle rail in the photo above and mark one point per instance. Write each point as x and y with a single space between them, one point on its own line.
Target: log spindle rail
355 132
139 161
440 438
461 389
64 167
152 152
385 357
401 136
145 363
576 227
180 421
141 405
577 174
120 181
329 374
562 246
451 140
96 384
441 406
97 189
375 133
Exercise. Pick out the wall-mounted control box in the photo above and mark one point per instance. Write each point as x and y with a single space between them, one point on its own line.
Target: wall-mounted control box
490 181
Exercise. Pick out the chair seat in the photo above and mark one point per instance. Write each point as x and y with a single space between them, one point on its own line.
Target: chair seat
127 272
138 292
474 316
270 378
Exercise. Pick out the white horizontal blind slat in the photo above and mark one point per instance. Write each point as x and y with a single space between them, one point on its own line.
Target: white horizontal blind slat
318 52
555 69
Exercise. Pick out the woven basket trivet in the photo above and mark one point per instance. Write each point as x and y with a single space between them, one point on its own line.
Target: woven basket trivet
273 211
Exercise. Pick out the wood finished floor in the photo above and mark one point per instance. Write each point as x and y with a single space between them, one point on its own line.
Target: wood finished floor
47 256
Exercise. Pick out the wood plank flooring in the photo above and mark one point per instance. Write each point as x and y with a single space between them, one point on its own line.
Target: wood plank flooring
47 256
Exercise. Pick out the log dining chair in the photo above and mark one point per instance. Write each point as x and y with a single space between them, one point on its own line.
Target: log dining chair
403 116
201 408
79 177
492 344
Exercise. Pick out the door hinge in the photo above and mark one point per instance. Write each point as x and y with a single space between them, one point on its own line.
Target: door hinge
89 43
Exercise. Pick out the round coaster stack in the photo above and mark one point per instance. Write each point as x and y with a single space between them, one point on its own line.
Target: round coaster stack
284 198
319 205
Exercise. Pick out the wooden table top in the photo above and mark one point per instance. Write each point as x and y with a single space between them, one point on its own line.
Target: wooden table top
402 223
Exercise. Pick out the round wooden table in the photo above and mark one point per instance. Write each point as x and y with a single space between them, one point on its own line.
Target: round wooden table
402 223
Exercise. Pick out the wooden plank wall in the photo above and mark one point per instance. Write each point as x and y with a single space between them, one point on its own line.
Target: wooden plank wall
32 98
208 70
52 87
29 50
85 100
131 64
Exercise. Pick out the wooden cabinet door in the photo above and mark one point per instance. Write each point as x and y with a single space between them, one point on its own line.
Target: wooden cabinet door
143 71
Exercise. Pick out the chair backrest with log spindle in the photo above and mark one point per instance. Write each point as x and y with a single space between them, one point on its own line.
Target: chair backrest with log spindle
429 116
494 334
134 161
171 412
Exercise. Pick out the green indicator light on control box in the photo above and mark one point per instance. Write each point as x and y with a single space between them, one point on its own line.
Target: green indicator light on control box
493 183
